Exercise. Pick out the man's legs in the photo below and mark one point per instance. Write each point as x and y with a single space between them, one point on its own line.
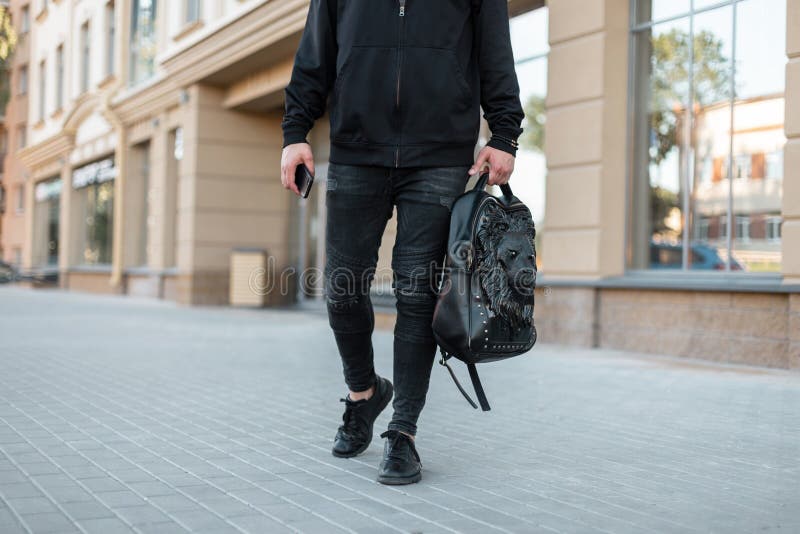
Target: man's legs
423 198
358 205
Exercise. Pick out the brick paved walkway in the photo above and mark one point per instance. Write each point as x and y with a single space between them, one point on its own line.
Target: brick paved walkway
120 414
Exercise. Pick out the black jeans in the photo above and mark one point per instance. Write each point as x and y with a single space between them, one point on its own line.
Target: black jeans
359 202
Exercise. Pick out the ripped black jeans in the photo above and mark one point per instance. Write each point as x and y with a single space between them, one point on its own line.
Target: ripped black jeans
360 201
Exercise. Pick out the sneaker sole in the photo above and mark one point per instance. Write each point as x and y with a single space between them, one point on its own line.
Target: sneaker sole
382 406
399 481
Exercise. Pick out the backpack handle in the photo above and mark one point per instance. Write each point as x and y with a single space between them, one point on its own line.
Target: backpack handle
480 185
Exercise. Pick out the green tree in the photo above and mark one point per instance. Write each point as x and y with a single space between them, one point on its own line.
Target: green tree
669 85
533 136
8 41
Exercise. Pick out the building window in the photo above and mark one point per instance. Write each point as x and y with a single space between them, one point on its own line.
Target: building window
192 11
111 25
85 57
701 229
60 77
708 110
42 89
22 137
774 165
25 22
143 40
20 204
22 80
742 168
773 229
529 43
46 219
743 228
94 185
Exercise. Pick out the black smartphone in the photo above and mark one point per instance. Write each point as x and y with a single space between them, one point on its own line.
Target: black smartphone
303 180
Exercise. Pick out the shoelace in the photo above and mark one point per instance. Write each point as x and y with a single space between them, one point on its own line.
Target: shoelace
350 426
394 451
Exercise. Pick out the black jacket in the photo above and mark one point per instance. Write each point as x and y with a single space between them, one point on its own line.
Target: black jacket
406 80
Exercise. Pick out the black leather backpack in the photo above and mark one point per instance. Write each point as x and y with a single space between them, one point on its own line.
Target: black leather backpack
484 310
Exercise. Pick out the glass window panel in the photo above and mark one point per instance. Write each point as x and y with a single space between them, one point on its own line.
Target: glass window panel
656 10
662 92
702 4
758 135
709 187
99 204
529 34
529 42
142 40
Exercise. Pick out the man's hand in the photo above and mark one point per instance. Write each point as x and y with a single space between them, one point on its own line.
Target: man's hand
501 165
292 156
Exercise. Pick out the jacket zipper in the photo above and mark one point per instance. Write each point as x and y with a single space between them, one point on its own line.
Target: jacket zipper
401 15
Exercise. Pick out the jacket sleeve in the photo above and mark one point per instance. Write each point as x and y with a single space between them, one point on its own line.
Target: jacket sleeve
313 73
500 99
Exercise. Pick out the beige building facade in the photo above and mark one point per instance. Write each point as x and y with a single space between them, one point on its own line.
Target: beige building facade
666 191
14 174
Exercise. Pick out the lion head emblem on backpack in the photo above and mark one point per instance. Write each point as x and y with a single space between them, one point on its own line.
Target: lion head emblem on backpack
506 263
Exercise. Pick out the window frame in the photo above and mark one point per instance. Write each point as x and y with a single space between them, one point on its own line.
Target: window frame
25 19
773 226
192 16
19 205
59 66
23 74
111 36
727 221
134 44
42 89
85 56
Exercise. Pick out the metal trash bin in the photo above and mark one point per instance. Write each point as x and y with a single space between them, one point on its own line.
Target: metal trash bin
248 277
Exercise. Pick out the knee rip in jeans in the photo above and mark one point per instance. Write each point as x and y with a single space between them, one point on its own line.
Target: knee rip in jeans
416 282
343 303
346 279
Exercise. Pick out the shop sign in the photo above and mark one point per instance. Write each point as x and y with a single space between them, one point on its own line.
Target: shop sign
94 173
47 190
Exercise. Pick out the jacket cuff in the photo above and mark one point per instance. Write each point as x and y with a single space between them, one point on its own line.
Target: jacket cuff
504 143
293 136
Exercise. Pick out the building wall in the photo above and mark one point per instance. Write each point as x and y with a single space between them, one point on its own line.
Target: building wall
197 149
583 235
14 172
791 158
582 299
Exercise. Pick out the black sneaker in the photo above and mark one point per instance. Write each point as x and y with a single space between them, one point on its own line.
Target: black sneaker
401 463
355 434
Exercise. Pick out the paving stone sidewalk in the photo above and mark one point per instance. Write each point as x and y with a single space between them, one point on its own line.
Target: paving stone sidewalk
130 415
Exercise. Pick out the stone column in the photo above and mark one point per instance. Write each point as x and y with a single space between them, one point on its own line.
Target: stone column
230 196
790 237
790 240
30 203
159 208
66 227
583 236
118 244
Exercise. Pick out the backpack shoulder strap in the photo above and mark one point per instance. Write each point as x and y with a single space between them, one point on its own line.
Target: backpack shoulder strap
476 383
458 384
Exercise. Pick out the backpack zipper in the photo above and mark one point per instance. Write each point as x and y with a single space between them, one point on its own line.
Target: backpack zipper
401 14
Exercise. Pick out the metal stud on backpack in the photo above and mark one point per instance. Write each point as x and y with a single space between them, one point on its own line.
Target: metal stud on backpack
484 308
